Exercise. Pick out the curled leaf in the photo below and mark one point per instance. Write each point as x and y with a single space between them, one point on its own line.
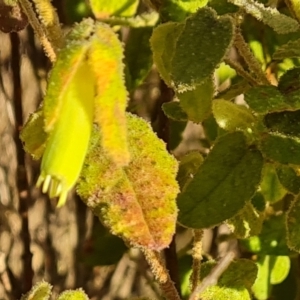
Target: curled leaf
136 202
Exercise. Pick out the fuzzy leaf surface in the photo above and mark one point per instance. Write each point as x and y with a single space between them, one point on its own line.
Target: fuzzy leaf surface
163 43
40 291
281 148
233 117
105 59
234 283
197 103
265 99
136 203
203 33
73 295
281 23
289 178
288 50
293 225
224 182
286 122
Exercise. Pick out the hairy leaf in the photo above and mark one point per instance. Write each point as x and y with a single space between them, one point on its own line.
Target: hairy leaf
270 186
197 103
265 99
188 167
137 202
103 9
280 148
225 181
163 42
105 59
73 295
281 23
288 50
289 178
40 291
289 86
203 33
233 117
286 122
234 283
247 222
174 111
293 225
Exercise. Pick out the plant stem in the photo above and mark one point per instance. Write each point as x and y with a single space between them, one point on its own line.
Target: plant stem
39 29
214 275
161 274
197 257
253 64
239 69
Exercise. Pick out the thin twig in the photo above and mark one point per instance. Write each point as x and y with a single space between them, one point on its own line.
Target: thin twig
253 64
239 69
214 275
197 257
39 29
161 274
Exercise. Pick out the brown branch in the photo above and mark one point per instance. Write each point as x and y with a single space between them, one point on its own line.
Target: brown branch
22 180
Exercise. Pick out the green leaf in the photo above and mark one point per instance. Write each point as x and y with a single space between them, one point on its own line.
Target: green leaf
270 186
103 9
197 103
246 223
73 295
271 270
178 10
176 129
210 128
234 283
222 7
40 291
288 50
188 167
272 240
225 181
281 23
133 200
280 148
293 225
289 86
265 99
286 122
174 111
294 8
233 117
33 135
105 59
234 90
138 55
203 33
258 201
289 178
163 43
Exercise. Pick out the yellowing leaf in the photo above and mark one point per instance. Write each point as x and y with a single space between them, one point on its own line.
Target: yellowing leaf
136 202
105 59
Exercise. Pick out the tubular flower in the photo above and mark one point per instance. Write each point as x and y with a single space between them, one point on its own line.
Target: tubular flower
69 137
